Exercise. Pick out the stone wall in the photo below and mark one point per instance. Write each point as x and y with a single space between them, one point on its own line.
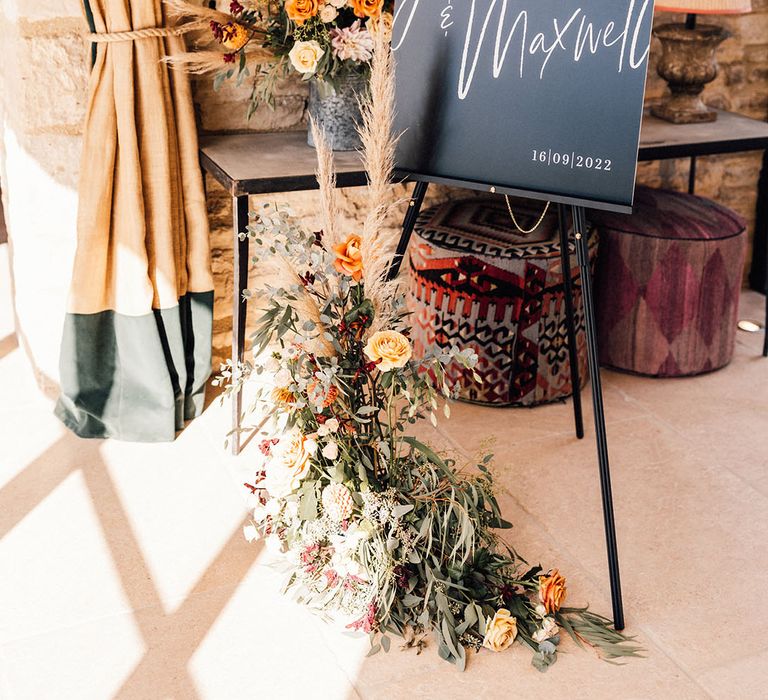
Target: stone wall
742 87
43 76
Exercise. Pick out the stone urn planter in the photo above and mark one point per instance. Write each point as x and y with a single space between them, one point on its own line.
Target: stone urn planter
688 63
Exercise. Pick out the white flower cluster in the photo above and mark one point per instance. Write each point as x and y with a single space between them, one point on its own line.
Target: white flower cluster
548 627
330 11
353 43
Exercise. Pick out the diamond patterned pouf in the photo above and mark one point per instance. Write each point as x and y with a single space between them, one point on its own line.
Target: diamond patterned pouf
667 284
478 283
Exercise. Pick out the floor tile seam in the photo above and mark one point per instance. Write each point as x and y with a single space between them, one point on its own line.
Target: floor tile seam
662 423
560 433
648 633
316 623
469 455
700 451
732 661
167 613
743 480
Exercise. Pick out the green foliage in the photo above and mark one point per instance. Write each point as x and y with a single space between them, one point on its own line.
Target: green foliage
382 531
270 27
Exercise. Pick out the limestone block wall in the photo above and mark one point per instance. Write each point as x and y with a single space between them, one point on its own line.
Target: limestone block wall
742 87
43 78
43 75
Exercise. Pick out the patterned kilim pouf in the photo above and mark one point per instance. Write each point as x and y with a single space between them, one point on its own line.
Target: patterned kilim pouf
478 283
668 283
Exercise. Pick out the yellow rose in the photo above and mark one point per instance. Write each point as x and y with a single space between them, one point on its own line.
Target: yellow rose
294 453
301 10
366 8
389 349
349 258
235 36
305 55
501 631
552 591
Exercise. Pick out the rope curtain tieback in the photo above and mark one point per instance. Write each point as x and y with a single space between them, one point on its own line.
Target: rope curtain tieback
526 232
134 34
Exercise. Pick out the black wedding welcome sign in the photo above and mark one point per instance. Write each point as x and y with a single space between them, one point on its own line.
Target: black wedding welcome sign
542 97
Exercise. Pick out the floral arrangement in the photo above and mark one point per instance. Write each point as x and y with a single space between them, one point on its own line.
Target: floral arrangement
380 533
326 40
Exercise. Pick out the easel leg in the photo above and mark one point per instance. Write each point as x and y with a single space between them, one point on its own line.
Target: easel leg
582 250
239 305
570 313
414 207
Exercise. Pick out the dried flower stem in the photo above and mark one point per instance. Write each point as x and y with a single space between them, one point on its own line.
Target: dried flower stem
326 179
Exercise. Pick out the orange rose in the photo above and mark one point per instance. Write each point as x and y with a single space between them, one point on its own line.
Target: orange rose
329 399
349 259
552 591
301 10
367 8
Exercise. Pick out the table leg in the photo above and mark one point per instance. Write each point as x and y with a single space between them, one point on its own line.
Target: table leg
239 305
765 341
760 246
692 176
765 272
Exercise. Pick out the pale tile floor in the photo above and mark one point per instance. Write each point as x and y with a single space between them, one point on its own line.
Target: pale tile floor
123 571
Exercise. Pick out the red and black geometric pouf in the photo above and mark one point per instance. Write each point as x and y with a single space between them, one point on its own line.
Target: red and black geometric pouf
478 283
667 284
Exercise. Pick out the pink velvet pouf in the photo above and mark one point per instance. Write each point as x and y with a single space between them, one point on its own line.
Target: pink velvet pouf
668 283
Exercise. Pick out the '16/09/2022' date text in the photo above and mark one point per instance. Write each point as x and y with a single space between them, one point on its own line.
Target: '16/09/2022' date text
571 160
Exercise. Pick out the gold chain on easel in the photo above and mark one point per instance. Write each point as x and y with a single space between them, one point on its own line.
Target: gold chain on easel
520 228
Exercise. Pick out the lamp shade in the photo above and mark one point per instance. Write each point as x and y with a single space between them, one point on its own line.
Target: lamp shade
705 7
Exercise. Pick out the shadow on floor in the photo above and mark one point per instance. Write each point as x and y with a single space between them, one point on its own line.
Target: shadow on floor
182 630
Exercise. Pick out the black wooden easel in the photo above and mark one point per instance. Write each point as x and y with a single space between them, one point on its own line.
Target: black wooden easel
582 254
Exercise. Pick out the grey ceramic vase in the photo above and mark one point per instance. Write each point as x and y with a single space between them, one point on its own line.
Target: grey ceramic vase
337 111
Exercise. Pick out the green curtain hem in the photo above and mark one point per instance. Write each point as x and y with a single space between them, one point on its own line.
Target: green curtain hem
138 379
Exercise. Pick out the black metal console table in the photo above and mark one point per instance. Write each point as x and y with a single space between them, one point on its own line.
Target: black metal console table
250 164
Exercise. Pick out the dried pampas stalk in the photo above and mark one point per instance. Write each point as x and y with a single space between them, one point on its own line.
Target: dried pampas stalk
198 16
378 153
326 179
378 142
199 62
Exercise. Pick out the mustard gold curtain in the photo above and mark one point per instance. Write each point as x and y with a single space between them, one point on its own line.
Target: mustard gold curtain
136 352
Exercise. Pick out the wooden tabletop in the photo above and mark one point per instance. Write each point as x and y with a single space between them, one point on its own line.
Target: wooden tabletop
283 162
731 133
274 162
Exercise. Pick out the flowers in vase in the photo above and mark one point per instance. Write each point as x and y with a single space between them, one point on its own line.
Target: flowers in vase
325 40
